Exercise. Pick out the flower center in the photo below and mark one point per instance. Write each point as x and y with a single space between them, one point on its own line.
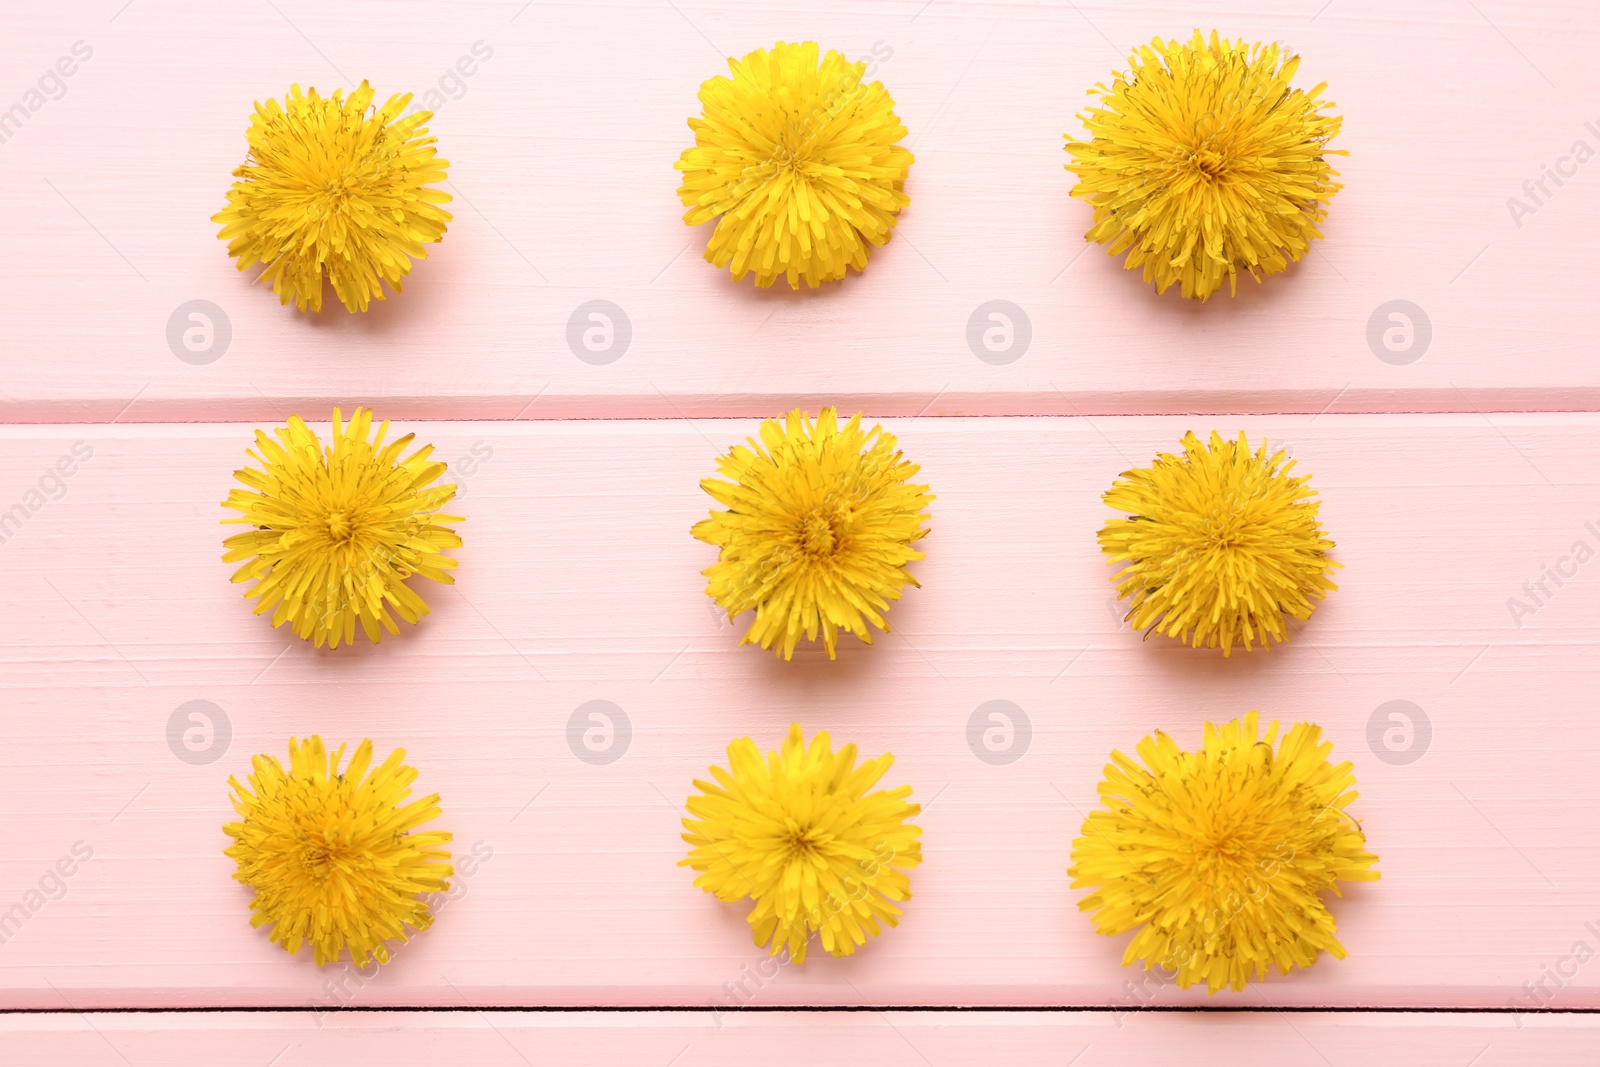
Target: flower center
1223 529
1210 162
817 534
1224 847
346 182
323 859
1203 160
799 841
1229 850
340 528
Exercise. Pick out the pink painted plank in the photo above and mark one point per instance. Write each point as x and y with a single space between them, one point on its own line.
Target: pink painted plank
562 141
579 582
912 1039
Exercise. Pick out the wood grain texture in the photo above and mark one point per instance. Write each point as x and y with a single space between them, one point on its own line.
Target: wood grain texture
579 581
562 144
893 1039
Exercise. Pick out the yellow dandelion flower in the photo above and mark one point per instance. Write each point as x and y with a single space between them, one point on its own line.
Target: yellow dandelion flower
336 530
1203 162
1219 857
333 187
800 835
1221 545
801 162
335 856
819 528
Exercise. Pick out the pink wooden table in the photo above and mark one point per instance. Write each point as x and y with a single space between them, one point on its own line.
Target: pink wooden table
1455 469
